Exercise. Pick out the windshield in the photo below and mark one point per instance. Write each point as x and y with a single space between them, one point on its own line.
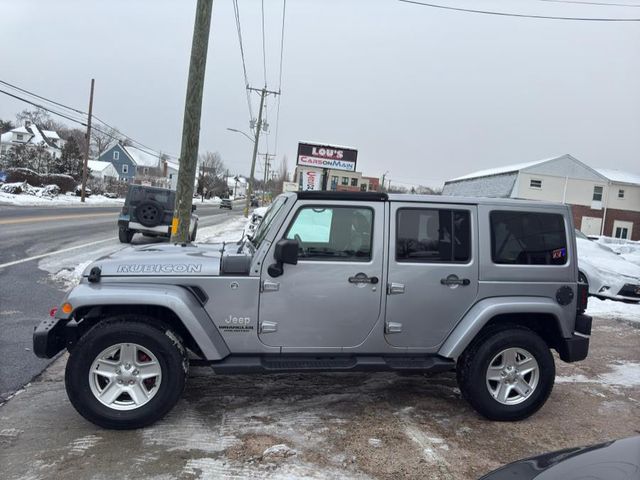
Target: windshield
271 213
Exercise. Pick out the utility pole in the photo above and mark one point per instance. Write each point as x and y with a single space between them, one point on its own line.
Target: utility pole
266 173
191 123
88 146
263 93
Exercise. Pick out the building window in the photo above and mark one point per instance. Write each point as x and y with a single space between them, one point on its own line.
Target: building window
334 182
354 182
333 233
116 155
535 183
620 193
363 187
345 180
597 193
20 136
424 235
622 232
145 170
125 168
526 238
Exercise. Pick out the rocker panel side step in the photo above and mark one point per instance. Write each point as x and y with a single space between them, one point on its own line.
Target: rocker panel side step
310 363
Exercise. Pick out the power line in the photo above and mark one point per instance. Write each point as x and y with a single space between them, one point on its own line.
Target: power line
134 142
520 15
593 3
264 50
284 9
42 98
43 108
236 9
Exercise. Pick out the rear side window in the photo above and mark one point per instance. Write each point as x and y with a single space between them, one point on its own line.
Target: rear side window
433 235
528 238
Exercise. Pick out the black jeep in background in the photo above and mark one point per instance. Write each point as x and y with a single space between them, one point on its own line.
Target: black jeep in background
149 210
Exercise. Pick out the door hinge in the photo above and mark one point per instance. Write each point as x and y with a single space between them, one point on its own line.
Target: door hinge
268 327
395 288
268 286
393 327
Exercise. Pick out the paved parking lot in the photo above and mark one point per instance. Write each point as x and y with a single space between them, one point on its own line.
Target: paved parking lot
324 425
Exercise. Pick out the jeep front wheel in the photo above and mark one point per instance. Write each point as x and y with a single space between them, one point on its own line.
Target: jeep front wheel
507 373
125 373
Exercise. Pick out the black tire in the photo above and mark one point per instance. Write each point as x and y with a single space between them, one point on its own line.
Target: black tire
474 362
162 343
125 235
149 213
194 233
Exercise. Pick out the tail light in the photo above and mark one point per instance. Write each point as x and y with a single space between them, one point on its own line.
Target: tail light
583 296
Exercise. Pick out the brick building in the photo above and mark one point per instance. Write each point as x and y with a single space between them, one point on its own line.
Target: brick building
604 201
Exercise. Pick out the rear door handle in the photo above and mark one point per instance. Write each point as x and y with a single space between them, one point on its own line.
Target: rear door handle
363 278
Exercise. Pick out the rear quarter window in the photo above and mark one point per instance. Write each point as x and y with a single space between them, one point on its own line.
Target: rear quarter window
528 238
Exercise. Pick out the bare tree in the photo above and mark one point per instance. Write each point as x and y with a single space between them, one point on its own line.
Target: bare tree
211 171
39 117
102 137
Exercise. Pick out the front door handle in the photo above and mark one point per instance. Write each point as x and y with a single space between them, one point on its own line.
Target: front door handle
454 280
363 278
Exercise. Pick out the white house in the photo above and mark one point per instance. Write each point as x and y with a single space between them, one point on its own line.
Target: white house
237 185
604 202
102 170
32 136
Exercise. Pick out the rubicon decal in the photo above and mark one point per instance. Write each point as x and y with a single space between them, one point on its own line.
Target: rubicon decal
160 268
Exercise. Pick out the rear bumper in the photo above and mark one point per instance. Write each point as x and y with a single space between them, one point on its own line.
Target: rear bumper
49 337
576 347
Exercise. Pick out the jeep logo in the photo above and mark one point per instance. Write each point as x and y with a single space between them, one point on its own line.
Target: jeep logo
231 320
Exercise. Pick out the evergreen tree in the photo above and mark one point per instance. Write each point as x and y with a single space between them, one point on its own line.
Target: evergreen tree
70 161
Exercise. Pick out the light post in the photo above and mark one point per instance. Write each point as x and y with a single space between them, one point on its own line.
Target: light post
241 133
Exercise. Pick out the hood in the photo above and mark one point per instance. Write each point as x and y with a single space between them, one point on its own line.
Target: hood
161 260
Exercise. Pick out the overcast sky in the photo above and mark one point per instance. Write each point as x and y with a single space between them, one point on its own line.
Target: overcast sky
425 94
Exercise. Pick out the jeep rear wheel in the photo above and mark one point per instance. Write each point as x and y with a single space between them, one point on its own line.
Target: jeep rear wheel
507 373
126 373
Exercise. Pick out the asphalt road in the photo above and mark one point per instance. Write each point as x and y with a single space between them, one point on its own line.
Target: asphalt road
27 293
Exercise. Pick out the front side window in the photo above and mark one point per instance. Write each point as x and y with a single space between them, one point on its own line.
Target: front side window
333 233
597 194
125 168
433 235
528 238
264 225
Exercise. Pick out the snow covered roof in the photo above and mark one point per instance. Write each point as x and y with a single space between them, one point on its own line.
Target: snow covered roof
619 176
173 165
500 170
142 158
51 134
6 137
98 166
21 130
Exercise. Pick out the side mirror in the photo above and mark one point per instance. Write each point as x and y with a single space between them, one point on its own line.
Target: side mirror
193 208
286 252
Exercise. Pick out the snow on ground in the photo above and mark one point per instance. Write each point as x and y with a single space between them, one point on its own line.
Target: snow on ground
627 249
622 374
613 309
60 200
229 231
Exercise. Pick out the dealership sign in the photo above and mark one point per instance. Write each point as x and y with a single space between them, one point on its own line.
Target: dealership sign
311 180
327 156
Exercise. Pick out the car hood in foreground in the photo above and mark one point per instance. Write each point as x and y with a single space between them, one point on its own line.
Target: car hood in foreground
616 460
161 260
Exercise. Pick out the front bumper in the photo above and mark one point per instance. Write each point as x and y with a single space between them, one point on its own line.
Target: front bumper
576 347
49 337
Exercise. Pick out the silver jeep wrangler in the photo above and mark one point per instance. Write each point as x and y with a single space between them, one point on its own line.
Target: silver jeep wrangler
333 281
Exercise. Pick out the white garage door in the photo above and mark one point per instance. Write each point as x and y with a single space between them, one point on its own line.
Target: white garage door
591 225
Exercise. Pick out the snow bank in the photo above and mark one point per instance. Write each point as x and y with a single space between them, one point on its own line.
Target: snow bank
616 310
229 231
60 200
627 249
